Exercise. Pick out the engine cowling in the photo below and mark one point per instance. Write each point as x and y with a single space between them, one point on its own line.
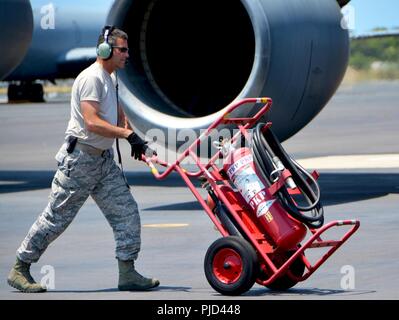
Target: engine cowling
16 24
191 59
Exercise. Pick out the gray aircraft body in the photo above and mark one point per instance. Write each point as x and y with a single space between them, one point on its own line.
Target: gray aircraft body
189 59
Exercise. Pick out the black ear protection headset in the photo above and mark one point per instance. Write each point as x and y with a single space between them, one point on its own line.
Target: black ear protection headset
104 49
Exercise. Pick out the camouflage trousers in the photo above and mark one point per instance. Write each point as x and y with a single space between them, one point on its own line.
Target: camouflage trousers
79 175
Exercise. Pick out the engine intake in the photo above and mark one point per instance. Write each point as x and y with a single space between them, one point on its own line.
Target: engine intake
190 59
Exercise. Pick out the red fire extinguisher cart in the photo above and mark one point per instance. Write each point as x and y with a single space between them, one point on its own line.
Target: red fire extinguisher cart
260 241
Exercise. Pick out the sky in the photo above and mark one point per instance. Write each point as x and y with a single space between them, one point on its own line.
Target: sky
369 14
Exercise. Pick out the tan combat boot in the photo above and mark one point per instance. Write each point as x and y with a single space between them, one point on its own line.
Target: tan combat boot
131 280
20 278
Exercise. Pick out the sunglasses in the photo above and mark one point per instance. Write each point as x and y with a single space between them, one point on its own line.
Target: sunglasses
122 49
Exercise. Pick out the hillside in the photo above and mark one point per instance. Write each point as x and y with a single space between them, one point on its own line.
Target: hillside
375 58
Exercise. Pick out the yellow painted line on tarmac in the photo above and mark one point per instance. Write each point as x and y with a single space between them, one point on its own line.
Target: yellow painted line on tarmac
166 225
367 161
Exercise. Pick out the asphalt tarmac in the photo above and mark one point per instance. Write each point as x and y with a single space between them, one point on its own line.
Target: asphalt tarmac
359 120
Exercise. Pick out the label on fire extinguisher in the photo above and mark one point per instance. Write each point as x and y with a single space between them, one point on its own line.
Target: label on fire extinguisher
247 182
263 208
250 186
244 161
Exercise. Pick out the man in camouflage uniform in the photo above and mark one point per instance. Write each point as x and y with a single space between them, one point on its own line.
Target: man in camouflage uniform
86 168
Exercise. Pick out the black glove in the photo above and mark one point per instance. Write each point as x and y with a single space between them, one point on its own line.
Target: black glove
139 146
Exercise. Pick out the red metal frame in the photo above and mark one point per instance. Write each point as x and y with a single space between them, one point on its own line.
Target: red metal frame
237 206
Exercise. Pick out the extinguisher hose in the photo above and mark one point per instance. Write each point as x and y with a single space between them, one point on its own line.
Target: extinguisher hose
267 152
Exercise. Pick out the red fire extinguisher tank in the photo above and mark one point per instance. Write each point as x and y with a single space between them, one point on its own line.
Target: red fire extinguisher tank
285 231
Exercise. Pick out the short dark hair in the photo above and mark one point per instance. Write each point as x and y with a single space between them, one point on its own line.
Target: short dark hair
115 34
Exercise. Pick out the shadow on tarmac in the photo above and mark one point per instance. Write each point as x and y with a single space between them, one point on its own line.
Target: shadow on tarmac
304 292
160 288
336 188
308 291
18 181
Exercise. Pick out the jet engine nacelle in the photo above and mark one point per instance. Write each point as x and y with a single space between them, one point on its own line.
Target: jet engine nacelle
16 33
191 59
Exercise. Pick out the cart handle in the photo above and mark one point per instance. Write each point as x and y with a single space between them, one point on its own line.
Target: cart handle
224 119
154 159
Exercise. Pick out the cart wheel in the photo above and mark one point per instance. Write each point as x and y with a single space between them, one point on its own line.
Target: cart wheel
230 265
285 282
